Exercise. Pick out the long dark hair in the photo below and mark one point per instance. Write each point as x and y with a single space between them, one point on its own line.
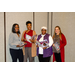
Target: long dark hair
13 28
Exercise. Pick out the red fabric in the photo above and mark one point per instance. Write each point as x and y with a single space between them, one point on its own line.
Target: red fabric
63 42
28 43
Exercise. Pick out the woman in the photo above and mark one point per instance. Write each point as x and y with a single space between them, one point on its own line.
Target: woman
60 39
44 53
29 50
14 43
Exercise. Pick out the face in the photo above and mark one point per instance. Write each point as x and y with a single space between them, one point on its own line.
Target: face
43 31
57 31
16 28
29 26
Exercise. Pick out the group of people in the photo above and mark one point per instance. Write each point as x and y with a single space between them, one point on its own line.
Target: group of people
31 49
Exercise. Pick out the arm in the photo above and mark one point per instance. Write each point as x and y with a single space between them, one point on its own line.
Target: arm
33 41
11 40
64 42
50 41
34 33
22 38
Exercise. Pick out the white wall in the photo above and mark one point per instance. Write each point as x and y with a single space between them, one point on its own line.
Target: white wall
49 23
2 54
40 20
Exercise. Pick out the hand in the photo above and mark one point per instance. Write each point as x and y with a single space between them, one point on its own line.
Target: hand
37 46
18 46
58 49
44 47
25 43
54 45
25 39
31 40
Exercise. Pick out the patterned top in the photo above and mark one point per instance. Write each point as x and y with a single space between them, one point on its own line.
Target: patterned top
56 39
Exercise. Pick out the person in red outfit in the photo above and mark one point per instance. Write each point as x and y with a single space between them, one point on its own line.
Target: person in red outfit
29 50
59 38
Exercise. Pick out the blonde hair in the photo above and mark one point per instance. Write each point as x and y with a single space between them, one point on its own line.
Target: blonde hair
59 33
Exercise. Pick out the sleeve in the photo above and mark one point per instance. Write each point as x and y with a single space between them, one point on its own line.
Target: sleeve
50 41
64 42
11 39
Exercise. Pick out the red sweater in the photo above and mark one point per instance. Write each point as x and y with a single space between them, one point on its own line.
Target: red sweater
63 42
31 34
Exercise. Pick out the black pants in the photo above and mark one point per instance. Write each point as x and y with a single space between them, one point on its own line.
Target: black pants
41 59
57 57
16 54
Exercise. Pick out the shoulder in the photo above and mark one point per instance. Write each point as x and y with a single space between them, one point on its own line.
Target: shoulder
47 34
39 34
62 35
34 33
24 32
11 34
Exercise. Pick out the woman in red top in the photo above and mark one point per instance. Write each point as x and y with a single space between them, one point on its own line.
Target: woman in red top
30 33
59 38
29 51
